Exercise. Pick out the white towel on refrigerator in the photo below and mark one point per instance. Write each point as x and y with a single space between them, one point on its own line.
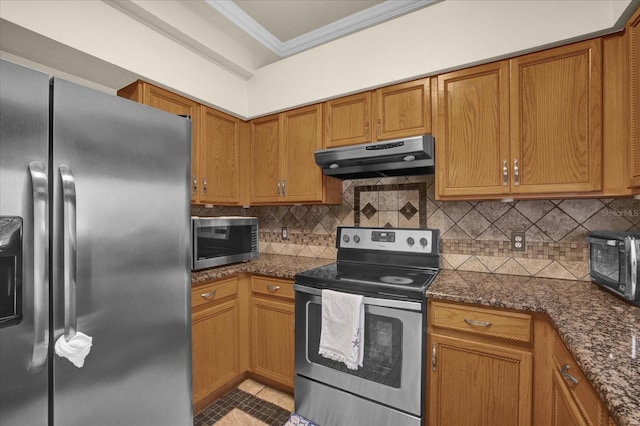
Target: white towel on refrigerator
342 332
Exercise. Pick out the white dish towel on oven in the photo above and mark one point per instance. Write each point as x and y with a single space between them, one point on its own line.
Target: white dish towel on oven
342 332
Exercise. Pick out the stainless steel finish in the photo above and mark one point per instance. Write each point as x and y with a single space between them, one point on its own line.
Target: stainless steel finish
505 171
379 159
24 124
201 261
516 173
312 398
70 272
204 185
210 295
407 397
564 371
633 284
316 295
40 188
478 323
273 288
132 247
433 356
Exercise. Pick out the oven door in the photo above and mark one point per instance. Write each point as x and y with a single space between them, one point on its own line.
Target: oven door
392 368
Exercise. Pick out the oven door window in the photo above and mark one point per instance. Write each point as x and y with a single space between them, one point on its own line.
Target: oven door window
382 351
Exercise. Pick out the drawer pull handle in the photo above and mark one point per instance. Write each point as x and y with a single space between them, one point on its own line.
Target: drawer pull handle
564 371
476 322
209 295
273 288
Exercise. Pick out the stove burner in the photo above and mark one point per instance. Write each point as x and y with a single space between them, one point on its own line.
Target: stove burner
392 279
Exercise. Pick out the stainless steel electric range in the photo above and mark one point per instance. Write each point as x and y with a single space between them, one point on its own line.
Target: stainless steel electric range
391 268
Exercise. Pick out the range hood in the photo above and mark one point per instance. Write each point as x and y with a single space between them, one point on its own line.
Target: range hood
398 157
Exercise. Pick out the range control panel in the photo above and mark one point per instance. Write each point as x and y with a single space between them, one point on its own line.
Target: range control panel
388 239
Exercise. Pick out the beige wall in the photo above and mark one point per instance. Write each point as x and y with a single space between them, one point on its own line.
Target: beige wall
448 34
475 235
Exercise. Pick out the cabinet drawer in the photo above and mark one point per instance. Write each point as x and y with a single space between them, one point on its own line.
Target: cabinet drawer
272 287
482 321
581 391
214 291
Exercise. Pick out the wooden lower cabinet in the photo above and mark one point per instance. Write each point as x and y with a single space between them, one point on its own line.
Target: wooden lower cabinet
215 338
272 330
497 367
476 375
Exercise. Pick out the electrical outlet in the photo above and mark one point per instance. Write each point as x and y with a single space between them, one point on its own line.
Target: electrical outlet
285 233
518 242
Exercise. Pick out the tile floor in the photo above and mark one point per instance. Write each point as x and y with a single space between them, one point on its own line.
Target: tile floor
250 404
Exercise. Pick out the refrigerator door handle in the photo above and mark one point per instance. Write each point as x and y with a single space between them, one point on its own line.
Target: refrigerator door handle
70 250
40 263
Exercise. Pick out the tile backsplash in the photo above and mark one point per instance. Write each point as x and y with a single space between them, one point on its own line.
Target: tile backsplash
475 236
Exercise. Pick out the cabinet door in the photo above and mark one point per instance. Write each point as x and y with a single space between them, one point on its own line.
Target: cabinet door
479 384
564 410
301 137
633 29
403 110
472 131
556 120
214 334
219 157
348 120
265 159
272 347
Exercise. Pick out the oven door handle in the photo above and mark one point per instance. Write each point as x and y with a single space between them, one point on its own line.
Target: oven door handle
316 296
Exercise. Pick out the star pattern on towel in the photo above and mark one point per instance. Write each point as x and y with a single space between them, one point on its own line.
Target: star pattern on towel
356 341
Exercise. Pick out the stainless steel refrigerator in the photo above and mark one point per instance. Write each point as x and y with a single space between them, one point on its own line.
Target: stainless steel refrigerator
94 240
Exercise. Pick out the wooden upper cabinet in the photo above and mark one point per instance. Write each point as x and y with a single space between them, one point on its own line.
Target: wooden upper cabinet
301 137
402 110
265 159
156 97
556 120
527 127
633 29
472 130
283 168
347 120
219 157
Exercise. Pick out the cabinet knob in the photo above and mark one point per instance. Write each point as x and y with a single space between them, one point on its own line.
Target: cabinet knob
279 188
209 295
284 187
273 288
516 173
379 126
195 185
366 130
204 185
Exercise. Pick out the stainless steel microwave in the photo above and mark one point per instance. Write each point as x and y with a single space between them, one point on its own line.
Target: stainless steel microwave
613 263
220 241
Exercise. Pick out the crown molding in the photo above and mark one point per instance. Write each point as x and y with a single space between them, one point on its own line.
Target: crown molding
345 26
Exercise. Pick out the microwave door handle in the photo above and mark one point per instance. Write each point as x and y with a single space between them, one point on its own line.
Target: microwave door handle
634 269
40 263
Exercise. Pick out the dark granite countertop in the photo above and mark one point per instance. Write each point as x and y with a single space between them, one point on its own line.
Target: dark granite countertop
600 330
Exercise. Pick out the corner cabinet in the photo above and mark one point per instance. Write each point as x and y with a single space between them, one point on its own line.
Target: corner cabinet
522 128
283 168
272 330
215 332
480 366
396 111
217 144
633 31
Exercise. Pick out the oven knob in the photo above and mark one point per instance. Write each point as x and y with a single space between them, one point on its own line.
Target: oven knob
356 238
411 241
423 242
345 238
